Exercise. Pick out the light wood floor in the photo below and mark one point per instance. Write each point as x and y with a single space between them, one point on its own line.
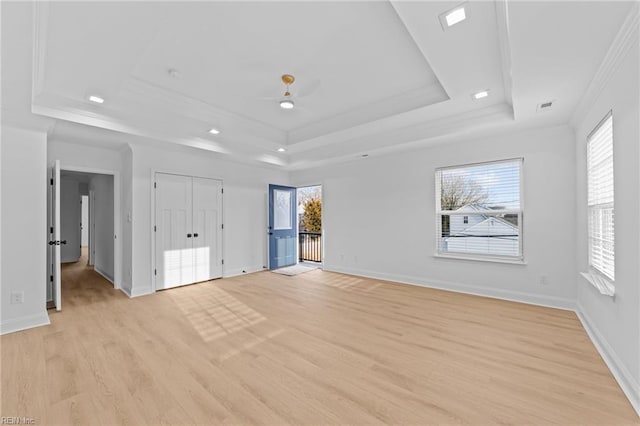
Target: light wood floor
318 348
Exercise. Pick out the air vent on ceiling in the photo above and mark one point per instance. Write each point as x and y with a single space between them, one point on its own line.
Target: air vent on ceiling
545 106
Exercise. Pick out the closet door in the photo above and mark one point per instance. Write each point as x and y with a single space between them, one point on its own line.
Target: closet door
174 229
207 228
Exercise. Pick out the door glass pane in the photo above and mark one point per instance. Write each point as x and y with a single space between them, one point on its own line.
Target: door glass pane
282 209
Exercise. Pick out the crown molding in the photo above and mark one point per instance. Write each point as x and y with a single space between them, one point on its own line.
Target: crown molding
135 89
406 138
371 113
627 35
504 43
40 30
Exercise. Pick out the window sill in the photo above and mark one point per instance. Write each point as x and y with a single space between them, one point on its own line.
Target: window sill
604 285
481 259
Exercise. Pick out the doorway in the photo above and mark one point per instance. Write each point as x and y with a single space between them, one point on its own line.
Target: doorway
85 225
309 214
295 226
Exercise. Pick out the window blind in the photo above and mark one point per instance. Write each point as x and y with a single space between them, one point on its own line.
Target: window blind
479 209
600 198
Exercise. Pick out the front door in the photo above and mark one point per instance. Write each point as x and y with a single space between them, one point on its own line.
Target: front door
283 226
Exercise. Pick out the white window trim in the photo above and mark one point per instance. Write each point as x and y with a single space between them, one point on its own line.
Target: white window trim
594 276
481 258
600 282
517 260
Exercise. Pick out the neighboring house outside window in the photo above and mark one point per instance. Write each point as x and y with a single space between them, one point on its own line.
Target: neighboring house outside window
479 210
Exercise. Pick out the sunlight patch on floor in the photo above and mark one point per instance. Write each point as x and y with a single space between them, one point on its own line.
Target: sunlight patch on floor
352 284
215 313
250 344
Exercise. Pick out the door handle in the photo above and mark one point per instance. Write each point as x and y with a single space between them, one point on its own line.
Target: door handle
195 235
63 242
52 243
57 242
270 233
188 235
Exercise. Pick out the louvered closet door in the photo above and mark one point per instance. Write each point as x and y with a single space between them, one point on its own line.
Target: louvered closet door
174 240
207 222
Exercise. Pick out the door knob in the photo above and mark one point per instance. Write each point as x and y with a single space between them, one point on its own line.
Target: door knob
63 242
195 235
188 235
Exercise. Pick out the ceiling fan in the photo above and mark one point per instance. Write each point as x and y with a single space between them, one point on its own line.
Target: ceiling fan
286 101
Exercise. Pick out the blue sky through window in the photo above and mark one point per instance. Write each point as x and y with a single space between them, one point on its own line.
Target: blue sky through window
500 181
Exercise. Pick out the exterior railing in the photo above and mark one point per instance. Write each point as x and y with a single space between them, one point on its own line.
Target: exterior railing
310 246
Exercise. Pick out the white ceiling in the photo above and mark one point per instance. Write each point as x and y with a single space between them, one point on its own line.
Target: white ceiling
371 76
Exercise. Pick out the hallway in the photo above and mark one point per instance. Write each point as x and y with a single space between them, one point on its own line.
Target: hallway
82 286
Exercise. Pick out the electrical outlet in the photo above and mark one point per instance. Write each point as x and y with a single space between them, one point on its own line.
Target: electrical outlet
17 297
544 280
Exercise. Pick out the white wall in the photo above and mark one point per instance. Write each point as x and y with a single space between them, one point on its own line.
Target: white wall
84 220
244 206
615 322
379 217
103 230
70 217
84 155
24 228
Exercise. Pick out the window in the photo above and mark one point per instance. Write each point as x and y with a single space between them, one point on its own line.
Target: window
479 211
600 198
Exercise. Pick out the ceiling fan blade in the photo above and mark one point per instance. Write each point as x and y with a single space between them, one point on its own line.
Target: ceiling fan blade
308 89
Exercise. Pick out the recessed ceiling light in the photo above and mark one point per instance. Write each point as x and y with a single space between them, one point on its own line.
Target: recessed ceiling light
96 99
281 150
286 104
214 131
455 16
480 95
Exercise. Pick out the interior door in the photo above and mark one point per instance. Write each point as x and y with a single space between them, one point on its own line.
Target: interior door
54 290
283 226
174 239
207 229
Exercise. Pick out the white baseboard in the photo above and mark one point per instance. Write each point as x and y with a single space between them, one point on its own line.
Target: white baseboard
513 296
22 323
104 274
139 291
242 271
625 379
126 288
